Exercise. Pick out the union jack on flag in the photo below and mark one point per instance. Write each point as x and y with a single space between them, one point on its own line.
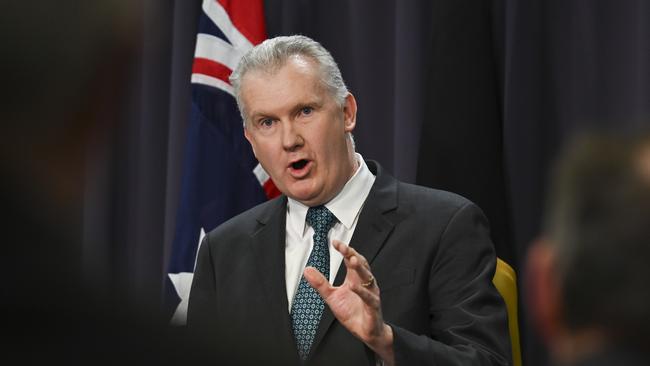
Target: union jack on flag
221 176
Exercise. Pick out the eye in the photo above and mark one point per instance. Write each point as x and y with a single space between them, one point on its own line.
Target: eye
307 111
265 122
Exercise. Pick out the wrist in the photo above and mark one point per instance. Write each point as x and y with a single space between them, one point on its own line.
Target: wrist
383 346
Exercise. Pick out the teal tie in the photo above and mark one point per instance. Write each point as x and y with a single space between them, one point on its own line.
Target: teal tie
308 306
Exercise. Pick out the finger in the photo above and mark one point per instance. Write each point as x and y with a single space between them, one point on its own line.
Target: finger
371 299
344 250
340 247
316 280
348 252
362 270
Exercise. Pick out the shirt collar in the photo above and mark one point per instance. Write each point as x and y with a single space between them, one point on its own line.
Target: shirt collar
346 205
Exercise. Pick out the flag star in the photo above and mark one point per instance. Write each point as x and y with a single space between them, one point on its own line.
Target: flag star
182 283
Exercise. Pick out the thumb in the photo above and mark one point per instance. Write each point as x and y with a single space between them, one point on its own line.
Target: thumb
318 281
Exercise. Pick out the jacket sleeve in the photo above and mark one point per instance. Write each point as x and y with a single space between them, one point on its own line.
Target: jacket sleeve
468 319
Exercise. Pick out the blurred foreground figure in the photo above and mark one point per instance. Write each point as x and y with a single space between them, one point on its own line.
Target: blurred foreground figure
66 80
589 275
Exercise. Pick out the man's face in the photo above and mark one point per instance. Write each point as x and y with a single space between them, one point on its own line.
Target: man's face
298 131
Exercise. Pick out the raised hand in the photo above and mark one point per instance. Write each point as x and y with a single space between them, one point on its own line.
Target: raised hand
356 304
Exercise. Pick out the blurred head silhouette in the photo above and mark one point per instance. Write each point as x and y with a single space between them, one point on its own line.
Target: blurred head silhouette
588 274
67 83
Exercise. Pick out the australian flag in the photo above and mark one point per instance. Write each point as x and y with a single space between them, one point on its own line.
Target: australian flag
221 177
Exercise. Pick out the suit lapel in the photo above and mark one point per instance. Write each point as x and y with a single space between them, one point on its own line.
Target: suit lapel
370 234
268 245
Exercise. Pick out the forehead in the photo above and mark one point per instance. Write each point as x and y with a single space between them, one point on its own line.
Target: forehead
296 81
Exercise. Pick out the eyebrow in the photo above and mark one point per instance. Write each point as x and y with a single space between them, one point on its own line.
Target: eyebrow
315 103
258 116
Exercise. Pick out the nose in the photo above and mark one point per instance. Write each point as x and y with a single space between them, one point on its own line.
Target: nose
291 137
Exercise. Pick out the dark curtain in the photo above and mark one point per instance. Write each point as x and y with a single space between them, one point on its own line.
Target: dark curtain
133 177
473 97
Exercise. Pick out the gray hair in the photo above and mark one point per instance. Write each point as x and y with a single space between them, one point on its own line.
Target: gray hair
273 53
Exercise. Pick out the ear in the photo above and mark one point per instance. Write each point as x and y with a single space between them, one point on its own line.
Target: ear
350 113
247 134
543 290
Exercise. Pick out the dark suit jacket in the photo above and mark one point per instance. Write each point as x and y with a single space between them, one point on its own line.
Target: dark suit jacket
429 250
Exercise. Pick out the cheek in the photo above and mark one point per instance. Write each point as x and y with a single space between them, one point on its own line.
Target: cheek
329 136
269 154
334 143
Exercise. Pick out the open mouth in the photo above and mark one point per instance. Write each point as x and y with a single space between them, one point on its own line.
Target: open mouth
300 168
297 165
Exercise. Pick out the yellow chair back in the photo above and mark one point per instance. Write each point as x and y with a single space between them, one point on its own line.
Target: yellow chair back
505 280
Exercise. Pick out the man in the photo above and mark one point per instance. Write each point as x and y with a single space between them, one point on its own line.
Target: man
428 251
588 275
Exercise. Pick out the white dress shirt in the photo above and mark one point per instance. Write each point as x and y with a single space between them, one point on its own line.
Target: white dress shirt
346 206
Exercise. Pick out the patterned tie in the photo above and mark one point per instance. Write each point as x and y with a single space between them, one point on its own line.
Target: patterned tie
307 305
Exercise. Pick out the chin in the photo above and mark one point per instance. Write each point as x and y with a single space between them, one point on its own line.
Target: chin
301 197
307 198
301 191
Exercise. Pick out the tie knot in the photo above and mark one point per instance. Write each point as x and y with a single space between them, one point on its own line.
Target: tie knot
320 218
